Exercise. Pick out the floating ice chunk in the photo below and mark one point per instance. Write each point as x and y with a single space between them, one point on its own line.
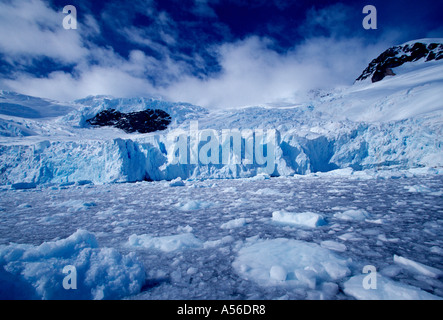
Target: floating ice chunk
386 290
350 236
278 273
375 221
306 277
418 188
391 271
191 271
178 182
356 215
194 205
36 272
166 243
417 267
302 264
185 229
76 205
436 250
235 223
307 219
216 243
261 176
24 205
345 172
382 237
333 245
266 192
230 189
329 289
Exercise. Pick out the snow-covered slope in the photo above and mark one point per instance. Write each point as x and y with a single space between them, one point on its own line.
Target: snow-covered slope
393 123
17 105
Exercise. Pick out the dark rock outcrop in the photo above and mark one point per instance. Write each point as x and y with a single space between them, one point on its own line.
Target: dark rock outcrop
394 57
143 121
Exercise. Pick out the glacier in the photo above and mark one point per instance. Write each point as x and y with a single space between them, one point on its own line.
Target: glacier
356 181
394 123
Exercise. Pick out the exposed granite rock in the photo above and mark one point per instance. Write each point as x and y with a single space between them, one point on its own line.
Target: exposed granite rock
143 121
394 57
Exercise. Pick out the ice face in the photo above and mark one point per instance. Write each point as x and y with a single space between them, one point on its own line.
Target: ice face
400 145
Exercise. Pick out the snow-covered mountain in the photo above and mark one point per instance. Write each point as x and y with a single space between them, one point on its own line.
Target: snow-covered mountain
379 68
392 123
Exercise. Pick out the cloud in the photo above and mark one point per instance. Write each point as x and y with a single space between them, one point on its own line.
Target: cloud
31 28
97 80
155 60
253 73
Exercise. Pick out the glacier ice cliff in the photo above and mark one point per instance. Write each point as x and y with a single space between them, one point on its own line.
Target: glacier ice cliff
394 123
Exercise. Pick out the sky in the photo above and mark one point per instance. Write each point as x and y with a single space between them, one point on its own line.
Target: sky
212 53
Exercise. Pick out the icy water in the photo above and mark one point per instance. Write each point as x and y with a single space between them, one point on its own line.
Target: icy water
404 217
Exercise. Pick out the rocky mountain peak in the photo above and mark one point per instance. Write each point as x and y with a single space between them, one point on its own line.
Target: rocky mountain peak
382 66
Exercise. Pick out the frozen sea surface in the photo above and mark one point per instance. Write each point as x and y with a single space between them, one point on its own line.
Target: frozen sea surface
217 239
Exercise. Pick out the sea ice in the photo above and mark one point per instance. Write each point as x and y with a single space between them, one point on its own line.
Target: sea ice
177 182
333 245
355 215
166 243
289 262
194 205
307 219
386 289
235 223
417 267
36 272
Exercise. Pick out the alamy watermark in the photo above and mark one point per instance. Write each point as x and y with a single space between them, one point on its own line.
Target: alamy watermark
227 147
370 21
70 280
370 281
70 21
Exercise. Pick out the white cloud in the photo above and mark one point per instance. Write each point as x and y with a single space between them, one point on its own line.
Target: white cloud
253 73
31 28
64 86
